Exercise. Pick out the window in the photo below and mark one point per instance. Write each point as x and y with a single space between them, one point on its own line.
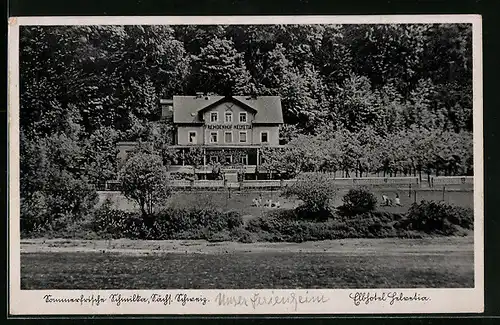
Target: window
264 137
228 137
214 117
192 137
244 159
243 136
243 117
228 117
214 159
229 159
214 137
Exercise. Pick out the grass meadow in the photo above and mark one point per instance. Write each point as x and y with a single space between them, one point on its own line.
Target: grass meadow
350 263
441 262
242 201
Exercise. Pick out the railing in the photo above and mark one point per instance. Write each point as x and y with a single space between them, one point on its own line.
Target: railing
452 180
208 169
386 180
261 183
208 184
270 184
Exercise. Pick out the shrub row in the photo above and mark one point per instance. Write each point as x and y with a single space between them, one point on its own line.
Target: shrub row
175 223
439 218
423 218
287 229
279 225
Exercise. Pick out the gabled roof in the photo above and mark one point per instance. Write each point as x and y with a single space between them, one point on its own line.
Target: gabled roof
231 99
267 109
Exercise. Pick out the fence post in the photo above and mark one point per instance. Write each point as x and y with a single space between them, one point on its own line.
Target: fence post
409 191
444 189
415 196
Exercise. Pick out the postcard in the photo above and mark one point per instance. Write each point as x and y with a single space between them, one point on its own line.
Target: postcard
245 165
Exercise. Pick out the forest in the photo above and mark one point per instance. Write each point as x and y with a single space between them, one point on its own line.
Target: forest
358 99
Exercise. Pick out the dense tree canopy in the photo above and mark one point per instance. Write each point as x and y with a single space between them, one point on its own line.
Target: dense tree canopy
348 75
356 98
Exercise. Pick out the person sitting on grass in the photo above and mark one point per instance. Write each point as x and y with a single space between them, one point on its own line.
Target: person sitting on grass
277 204
269 203
255 202
397 200
385 200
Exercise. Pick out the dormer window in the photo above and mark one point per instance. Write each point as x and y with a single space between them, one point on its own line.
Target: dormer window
228 117
243 117
214 117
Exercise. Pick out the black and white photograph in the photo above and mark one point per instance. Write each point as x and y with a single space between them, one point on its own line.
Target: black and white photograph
202 156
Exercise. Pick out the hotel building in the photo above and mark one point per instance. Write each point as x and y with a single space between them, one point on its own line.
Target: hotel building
230 131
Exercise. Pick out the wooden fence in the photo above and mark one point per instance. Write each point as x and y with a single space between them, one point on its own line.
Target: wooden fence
451 180
275 184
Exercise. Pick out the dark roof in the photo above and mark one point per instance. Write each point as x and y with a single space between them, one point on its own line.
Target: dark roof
267 108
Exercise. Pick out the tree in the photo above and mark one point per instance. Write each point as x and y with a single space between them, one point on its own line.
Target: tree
101 153
387 52
356 103
54 186
316 191
358 201
334 57
286 162
194 156
144 179
221 69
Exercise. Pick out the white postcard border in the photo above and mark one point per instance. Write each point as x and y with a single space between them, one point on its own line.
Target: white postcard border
32 302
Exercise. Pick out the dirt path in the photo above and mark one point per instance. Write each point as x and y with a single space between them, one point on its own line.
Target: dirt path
392 246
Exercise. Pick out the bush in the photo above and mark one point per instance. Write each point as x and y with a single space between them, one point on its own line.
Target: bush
65 200
34 214
316 191
143 179
218 236
242 235
209 224
195 223
281 226
357 201
173 221
114 223
439 218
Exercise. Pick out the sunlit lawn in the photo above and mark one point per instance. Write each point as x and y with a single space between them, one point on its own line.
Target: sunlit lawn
242 201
